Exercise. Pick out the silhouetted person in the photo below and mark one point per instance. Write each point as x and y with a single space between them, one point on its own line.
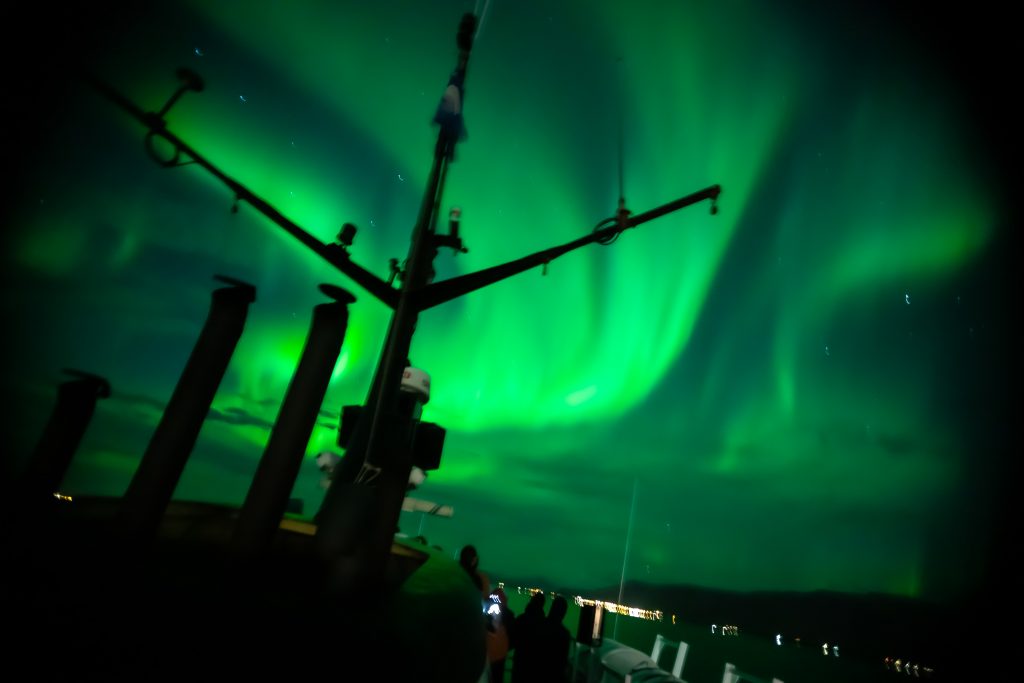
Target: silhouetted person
554 642
470 561
527 653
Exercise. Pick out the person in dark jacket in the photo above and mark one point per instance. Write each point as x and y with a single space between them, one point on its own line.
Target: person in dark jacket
469 560
554 644
526 655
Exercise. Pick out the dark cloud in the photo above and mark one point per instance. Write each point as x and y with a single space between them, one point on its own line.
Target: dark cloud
233 415
239 416
896 444
139 399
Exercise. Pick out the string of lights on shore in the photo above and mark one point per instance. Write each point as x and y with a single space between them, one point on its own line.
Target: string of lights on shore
891 663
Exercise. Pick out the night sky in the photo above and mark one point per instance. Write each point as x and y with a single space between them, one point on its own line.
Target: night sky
808 390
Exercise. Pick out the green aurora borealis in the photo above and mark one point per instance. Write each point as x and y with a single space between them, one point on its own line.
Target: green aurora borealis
804 386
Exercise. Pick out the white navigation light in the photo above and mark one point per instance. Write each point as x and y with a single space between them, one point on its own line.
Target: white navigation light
416 381
416 477
327 461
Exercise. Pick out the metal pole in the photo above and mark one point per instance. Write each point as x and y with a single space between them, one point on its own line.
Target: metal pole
359 515
337 257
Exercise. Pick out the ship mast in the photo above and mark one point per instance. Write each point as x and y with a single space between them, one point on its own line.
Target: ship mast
360 511
359 514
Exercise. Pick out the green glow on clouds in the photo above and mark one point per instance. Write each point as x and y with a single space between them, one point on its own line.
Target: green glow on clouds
759 371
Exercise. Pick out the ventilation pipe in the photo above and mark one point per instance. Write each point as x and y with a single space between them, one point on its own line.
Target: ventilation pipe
152 487
267 500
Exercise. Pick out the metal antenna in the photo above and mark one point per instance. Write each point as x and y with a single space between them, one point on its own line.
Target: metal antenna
622 213
622 135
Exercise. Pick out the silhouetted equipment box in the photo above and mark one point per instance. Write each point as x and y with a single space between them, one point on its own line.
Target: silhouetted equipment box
428 439
427 445
591 626
349 418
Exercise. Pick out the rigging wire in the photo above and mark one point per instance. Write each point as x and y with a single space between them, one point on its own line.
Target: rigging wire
482 15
